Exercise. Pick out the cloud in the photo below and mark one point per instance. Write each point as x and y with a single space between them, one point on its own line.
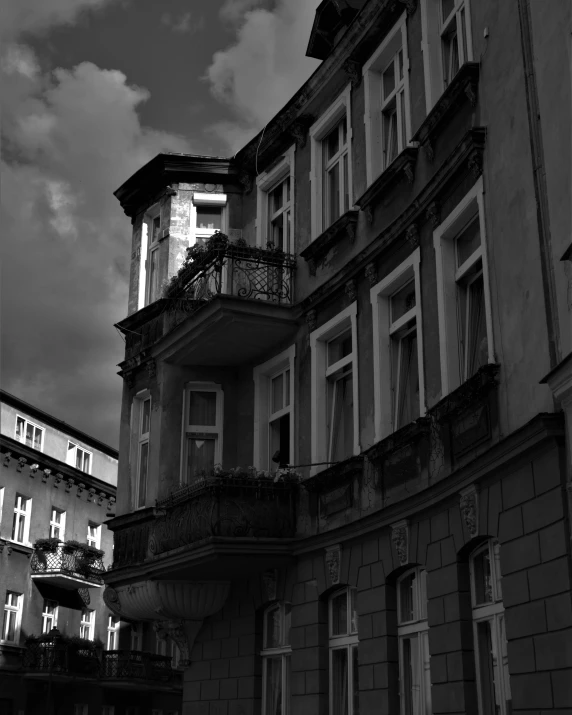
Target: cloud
185 24
71 137
263 68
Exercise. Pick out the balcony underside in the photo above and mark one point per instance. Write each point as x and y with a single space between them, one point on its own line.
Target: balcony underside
228 331
65 581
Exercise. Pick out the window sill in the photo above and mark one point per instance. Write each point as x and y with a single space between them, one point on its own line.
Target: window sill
403 167
344 226
407 435
10 545
334 476
471 392
464 87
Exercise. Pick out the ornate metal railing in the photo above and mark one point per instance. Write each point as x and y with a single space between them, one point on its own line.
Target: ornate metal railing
130 664
55 656
70 560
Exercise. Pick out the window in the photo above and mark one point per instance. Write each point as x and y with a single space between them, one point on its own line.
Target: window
335 433
275 189
208 214
57 524
446 43
463 298
79 457
113 624
108 710
331 173
343 648
175 654
276 652
493 682
1 503
160 645
87 624
413 638
49 615
12 617
21 523
28 433
152 227
273 411
136 636
399 395
202 447
94 535
143 420
387 107
80 709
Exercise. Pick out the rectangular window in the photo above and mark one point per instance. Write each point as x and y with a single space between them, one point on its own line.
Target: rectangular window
175 654
279 216
463 297
143 452
343 648
49 615
202 429
276 654
208 215
21 523
331 172
387 105
153 225
12 617
398 348
136 636
57 524
94 535
335 433
80 709
113 625
87 624
275 204
28 433
160 646
79 457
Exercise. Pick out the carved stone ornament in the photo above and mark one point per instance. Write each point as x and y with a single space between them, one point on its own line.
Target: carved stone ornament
21 463
90 493
312 265
269 579
400 540
409 172
410 5
183 632
351 229
412 235
100 498
246 180
129 379
333 563
110 502
111 599
69 484
353 70
58 477
299 130
471 94
351 290
433 214
371 274
7 456
80 488
46 476
428 149
469 506
368 215
33 469
152 369
475 163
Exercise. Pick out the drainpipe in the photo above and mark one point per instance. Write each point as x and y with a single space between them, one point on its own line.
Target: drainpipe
540 190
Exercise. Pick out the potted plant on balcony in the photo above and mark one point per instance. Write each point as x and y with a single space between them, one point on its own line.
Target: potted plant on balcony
43 547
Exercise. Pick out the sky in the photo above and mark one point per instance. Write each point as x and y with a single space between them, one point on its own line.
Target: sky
92 90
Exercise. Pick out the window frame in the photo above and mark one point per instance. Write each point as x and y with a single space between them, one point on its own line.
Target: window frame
46 616
73 451
97 539
27 515
88 624
216 430
216 200
136 636
447 284
380 298
318 347
266 182
113 626
283 651
138 440
17 611
372 72
347 641
35 426
54 524
318 132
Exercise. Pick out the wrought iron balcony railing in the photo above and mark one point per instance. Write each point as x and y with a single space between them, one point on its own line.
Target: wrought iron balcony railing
134 664
67 564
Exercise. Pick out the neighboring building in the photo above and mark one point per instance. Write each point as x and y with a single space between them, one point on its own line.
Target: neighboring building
389 346
59 484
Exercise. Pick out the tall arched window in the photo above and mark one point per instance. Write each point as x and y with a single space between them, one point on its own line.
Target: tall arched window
491 660
413 636
343 646
275 654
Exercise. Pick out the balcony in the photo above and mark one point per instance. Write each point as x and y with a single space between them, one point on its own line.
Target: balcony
125 668
226 293
231 521
58 655
68 565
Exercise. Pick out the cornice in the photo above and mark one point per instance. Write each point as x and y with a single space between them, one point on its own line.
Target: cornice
344 226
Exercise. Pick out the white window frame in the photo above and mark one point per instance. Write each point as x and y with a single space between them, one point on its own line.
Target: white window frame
431 31
372 74
418 626
54 525
95 540
263 375
71 456
136 636
87 624
266 182
27 422
22 513
318 346
318 131
189 430
380 298
492 612
148 246
206 199
16 610
347 641
138 439
113 626
447 275
49 618
283 651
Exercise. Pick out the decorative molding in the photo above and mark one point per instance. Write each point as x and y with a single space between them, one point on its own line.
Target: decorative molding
111 599
270 579
351 290
110 502
471 94
151 368
409 171
69 484
429 151
22 461
469 507
371 274
90 494
353 70
299 130
368 211
80 488
311 320
320 246
247 181
312 266
183 632
412 235
7 456
100 498
400 540
433 214
333 559
475 163
46 476
58 478
403 167
410 5
351 228
33 469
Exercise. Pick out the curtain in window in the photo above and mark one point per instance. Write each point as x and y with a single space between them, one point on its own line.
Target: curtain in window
407 407
201 453
341 417
477 348
340 681
390 135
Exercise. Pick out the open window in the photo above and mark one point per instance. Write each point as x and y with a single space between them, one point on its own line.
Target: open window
79 457
202 429
275 214
29 433
208 215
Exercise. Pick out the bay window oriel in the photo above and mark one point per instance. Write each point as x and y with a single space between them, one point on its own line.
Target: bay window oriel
202 429
343 652
275 655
